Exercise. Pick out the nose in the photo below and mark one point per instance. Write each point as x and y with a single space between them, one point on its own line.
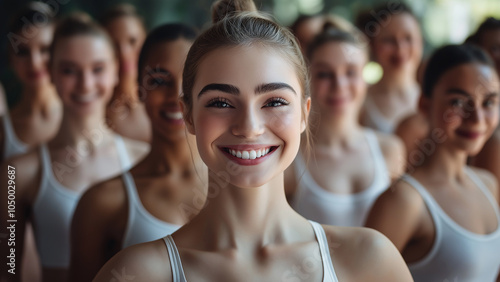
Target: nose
36 60
475 115
338 85
86 81
248 124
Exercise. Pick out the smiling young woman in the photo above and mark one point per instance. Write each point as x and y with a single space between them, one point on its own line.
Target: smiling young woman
84 151
444 216
244 95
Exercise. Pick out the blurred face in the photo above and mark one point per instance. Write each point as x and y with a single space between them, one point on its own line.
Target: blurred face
128 34
490 41
162 74
84 72
398 45
307 30
465 104
30 63
247 113
337 85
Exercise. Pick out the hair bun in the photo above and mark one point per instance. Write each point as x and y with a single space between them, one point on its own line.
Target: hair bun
224 8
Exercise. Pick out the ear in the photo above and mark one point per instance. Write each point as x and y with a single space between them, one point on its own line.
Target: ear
307 110
424 105
188 117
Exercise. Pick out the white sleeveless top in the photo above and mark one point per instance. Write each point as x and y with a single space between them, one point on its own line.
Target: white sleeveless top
315 203
375 119
328 270
53 210
141 225
12 146
457 253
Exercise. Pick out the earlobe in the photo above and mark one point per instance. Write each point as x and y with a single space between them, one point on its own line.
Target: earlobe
307 109
188 119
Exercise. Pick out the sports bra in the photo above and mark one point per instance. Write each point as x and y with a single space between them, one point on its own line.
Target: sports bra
328 270
315 203
53 210
12 145
457 254
141 225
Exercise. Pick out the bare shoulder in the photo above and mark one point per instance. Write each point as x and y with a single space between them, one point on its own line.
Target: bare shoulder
489 180
141 262
363 254
394 152
416 123
136 149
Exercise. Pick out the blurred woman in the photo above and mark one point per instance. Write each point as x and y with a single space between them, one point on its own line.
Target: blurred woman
146 203
444 216
396 44
125 112
51 179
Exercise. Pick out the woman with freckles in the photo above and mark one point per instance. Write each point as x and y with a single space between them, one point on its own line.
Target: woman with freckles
84 151
245 99
444 216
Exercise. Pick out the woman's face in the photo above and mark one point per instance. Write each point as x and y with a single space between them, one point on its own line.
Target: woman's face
84 71
337 84
490 41
30 62
247 113
465 105
161 78
398 45
128 34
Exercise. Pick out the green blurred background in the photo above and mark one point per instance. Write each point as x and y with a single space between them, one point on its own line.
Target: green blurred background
443 21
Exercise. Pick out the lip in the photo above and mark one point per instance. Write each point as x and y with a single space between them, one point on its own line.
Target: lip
336 102
36 74
84 100
468 134
171 116
248 147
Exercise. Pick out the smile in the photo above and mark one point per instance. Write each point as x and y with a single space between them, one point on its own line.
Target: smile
250 153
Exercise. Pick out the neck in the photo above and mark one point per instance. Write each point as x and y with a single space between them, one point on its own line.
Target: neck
398 81
167 156
126 91
447 162
76 129
335 131
245 218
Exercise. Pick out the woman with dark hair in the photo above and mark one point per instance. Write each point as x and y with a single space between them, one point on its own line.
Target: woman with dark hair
444 216
145 203
125 113
51 179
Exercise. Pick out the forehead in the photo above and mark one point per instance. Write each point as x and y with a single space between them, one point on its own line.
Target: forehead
246 67
476 79
169 55
338 53
83 48
125 25
399 23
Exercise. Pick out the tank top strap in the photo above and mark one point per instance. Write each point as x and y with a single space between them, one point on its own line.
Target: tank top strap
175 260
491 198
131 189
328 270
432 205
10 137
381 171
46 165
125 161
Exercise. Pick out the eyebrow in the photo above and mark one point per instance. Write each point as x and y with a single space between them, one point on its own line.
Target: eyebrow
233 90
458 91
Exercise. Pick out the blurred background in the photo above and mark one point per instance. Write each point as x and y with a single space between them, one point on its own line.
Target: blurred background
442 21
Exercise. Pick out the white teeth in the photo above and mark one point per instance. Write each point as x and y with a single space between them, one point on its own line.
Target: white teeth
173 115
245 155
249 155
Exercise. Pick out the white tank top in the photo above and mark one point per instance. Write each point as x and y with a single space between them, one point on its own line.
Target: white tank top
375 119
11 145
328 270
141 225
315 203
457 253
53 210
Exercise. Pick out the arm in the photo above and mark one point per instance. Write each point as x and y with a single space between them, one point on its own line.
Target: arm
411 131
20 177
101 209
396 214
